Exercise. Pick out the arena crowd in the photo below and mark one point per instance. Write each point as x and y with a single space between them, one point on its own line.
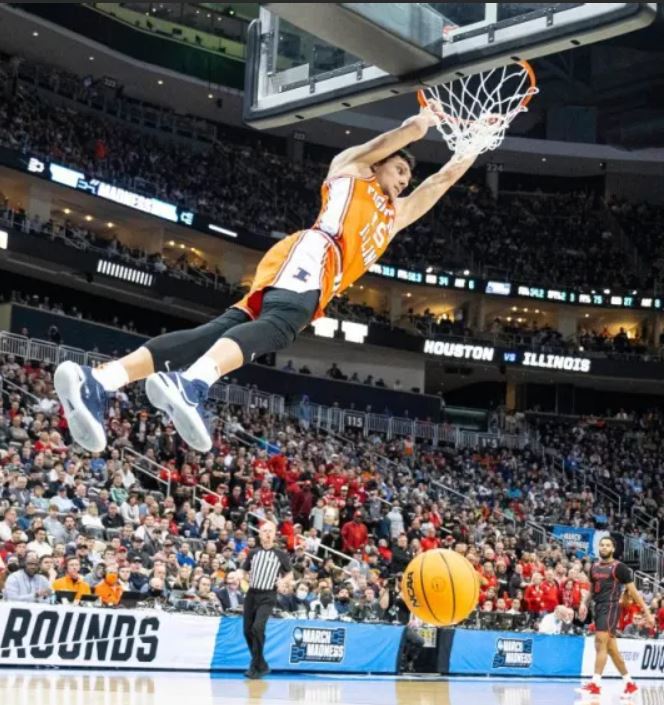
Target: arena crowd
352 512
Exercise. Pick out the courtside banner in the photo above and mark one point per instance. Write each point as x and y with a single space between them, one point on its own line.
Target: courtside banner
515 654
301 645
50 635
644 658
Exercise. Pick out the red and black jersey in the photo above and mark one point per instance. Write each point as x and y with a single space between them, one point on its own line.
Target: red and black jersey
607 581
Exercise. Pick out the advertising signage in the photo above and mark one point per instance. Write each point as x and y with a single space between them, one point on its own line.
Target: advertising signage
451 350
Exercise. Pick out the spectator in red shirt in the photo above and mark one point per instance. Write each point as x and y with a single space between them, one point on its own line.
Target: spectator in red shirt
550 592
570 594
430 540
302 502
267 495
384 550
534 595
219 497
526 563
628 609
354 534
489 579
660 616
261 467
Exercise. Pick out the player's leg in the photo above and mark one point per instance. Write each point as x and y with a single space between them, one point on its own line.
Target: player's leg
616 656
593 687
284 314
601 653
83 391
619 662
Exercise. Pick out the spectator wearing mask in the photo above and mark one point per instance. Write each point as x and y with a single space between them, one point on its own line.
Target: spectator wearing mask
27 584
108 590
302 600
323 606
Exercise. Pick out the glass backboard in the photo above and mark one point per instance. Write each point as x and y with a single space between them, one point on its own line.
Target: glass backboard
309 59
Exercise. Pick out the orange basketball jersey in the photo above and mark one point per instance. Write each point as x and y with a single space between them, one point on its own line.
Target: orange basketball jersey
352 231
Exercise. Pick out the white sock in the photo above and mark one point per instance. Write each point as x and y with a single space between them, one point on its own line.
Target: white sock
205 369
597 679
111 376
627 678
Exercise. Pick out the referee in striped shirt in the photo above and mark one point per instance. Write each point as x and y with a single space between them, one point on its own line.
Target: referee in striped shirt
264 565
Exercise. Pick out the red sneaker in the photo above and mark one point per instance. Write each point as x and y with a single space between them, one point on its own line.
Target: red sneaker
630 689
589 689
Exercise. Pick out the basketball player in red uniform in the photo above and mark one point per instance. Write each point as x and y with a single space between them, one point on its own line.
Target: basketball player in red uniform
362 211
608 578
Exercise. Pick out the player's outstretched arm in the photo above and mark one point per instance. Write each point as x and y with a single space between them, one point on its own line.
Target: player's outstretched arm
357 160
430 191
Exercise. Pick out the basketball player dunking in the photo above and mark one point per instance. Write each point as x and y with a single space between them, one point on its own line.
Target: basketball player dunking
362 211
608 577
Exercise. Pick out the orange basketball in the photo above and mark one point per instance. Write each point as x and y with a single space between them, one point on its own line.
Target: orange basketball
440 587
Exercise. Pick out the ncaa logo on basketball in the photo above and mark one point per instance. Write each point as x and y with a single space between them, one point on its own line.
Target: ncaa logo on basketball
410 589
513 653
318 645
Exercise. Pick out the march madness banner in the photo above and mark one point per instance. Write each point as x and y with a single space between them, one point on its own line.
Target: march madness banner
475 652
307 645
59 635
580 540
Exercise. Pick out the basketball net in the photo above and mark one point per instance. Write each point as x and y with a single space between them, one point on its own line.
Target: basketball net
475 111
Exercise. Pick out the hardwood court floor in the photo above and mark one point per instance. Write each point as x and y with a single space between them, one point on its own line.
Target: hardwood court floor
55 687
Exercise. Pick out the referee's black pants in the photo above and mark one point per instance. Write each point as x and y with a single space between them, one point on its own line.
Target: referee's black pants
258 606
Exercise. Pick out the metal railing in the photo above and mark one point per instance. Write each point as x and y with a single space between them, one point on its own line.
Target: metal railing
331 419
336 420
46 351
644 582
642 518
649 558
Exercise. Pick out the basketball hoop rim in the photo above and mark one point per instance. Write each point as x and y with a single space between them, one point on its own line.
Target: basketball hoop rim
523 104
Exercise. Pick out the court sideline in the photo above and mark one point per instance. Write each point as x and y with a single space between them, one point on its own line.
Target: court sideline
53 687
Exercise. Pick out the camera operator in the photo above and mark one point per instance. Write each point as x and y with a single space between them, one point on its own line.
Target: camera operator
369 609
398 612
204 595
323 606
